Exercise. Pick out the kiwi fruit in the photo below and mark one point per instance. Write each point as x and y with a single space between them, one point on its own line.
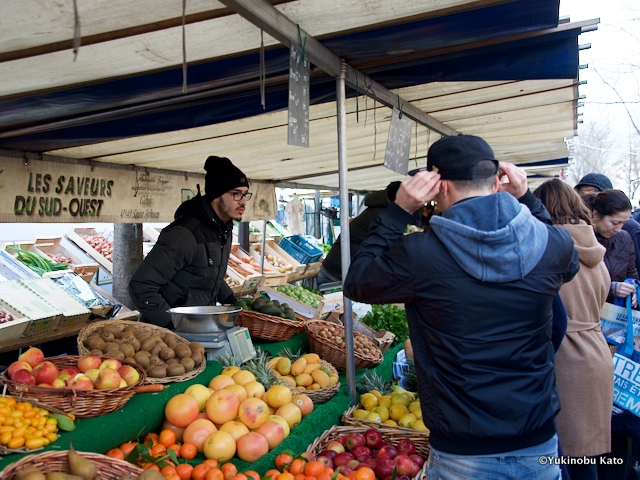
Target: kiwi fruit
171 341
141 335
187 363
157 372
148 343
127 349
94 343
113 329
144 352
156 349
197 358
142 360
117 354
108 336
117 340
166 353
155 360
133 330
196 346
182 350
129 360
95 351
136 344
157 337
175 370
172 361
111 346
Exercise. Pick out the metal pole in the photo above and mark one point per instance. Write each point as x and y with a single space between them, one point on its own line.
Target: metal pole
263 243
318 233
344 228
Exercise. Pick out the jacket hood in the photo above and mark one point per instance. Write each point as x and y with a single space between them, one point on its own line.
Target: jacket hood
199 208
590 252
377 199
493 238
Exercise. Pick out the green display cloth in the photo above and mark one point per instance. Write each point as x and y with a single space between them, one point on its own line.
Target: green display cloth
144 413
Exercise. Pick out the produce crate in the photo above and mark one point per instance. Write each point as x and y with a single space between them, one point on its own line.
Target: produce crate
248 283
52 246
73 313
270 275
313 269
12 269
14 328
272 248
321 311
77 236
44 317
300 249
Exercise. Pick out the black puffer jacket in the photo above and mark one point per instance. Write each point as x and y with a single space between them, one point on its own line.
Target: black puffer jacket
376 203
620 258
187 265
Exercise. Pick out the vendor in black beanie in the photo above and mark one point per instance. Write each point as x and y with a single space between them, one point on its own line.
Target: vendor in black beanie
187 265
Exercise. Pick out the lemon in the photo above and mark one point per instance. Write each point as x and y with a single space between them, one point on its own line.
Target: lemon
418 414
390 422
406 420
396 412
419 425
383 412
368 401
374 417
414 406
359 413
376 393
385 401
399 399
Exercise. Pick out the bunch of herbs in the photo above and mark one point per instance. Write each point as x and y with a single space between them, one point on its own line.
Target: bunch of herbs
388 317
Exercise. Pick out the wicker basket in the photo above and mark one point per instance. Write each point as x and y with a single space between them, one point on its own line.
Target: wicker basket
268 327
144 327
335 354
57 461
350 420
81 403
393 437
323 394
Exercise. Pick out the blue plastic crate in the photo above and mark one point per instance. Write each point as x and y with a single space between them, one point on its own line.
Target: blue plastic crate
300 249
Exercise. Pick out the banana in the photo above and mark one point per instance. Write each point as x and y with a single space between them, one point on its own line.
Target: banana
64 422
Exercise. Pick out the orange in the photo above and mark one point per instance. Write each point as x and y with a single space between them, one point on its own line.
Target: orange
173 476
153 466
115 453
184 471
157 449
214 474
188 451
167 437
211 463
308 477
324 476
229 470
365 473
168 470
252 474
272 474
297 466
239 476
314 468
285 476
283 459
175 447
199 472
300 476
127 447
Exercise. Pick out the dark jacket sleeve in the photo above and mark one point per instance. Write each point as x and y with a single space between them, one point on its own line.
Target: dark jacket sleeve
536 207
381 270
176 247
225 294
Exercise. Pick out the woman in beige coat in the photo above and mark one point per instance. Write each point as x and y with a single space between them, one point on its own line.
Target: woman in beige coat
584 368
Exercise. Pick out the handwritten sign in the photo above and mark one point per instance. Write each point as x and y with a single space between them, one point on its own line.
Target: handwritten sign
396 156
298 132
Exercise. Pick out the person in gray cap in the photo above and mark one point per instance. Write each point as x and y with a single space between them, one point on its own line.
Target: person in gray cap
187 265
478 289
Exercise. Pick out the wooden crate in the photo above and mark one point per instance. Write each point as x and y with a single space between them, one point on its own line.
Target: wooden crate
272 248
269 277
77 236
52 245
16 327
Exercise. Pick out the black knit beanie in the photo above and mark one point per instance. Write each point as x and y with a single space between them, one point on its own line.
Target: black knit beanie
222 176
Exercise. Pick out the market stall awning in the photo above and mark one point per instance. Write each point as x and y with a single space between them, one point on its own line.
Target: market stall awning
504 70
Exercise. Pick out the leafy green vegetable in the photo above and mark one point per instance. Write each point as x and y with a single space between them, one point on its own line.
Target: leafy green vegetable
390 318
35 262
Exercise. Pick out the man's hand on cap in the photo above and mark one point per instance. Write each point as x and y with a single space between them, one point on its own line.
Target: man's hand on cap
418 190
517 184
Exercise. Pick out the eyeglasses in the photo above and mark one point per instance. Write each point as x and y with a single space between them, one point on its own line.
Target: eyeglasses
237 196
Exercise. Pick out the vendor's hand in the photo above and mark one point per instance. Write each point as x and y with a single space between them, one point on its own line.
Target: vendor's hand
418 190
512 180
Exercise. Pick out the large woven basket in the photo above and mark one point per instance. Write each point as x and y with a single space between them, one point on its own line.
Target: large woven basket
421 444
144 327
323 394
268 327
350 420
81 403
336 354
57 461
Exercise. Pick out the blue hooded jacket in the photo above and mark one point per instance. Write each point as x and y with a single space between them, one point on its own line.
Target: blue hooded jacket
478 289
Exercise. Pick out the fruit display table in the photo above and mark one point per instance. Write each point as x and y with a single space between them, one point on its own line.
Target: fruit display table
145 413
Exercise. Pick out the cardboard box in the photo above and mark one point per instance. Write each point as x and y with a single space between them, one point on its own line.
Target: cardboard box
44 317
77 236
324 308
73 313
52 246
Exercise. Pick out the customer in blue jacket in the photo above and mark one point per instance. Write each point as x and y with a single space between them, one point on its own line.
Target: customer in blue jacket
478 290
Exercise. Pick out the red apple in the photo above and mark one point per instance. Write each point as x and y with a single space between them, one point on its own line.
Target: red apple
23 376
80 382
33 356
372 462
404 464
342 439
328 453
403 477
70 370
406 447
113 363
18 365
130 375
363 458
326 461
344 470
417 459
387 452
45 372
355 440
108 379
89 362
308 455
374 454
373 437
360 450
342 459
335 446
384 468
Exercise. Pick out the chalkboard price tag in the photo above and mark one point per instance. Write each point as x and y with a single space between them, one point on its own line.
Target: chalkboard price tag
298 131
396 156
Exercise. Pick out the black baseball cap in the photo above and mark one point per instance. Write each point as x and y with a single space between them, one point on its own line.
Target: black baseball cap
454 158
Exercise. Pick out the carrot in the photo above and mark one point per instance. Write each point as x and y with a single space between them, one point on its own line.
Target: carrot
152 388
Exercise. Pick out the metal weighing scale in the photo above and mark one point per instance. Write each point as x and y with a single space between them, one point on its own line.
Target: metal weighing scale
214 327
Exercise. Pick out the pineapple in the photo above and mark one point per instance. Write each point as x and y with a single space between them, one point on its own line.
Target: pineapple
262 371
286 352
230 363
371 382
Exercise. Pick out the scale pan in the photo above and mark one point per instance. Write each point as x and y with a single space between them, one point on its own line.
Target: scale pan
206 319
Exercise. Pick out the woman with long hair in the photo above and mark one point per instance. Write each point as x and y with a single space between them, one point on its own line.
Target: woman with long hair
584 370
